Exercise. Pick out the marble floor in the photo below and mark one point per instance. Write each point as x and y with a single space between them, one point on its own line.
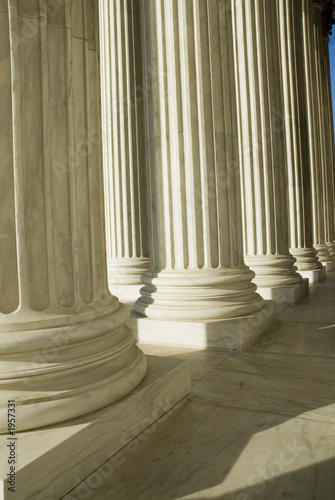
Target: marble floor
257 425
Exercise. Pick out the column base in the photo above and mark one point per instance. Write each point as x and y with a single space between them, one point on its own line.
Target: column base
330 266
285 294
126 293
126 271
233 333
53 460
315 276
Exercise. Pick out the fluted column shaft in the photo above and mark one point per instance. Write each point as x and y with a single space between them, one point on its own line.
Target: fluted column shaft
329 157
297 155
312 26
64 348
123 96
197 268
262 143
325 147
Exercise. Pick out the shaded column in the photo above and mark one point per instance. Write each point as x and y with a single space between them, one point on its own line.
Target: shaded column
262 150
296 129
64 348
197 268
123 96
329 158
312 26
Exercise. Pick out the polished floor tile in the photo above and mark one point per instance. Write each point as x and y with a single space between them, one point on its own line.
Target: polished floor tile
258 425
202 361
288 385
306 339
204 451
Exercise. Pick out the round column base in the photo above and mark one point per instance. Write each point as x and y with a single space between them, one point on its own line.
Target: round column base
274 270
331 249
306 259
198 295
126 271
323 254
59 373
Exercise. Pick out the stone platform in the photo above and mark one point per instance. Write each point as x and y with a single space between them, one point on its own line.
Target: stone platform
232 334
315 276
285 294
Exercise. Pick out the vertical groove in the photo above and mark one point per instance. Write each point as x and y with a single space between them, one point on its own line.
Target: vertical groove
17 158
47 159
9 278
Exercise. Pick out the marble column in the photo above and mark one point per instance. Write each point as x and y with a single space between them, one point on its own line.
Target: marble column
262 150
197 268
65 349
312 26
123 96
329 158
296 129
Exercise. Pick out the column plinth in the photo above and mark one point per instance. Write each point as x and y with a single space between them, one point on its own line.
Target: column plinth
262 151
197 270
123 97
65 349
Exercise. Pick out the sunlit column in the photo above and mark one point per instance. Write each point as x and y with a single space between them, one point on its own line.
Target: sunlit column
262 150
64 348
197 268
312 33
296 130
123 97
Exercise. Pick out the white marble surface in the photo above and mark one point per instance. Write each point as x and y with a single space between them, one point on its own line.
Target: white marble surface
207 452
285 294
288 385
262 143
201 361
232 333
197 269
123 153
316 276
290 24
51 461
312 65
264 428
64 348
306 339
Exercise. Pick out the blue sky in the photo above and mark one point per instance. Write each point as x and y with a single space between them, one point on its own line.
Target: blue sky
332 65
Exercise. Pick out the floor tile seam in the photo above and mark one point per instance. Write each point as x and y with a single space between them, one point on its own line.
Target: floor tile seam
293 355
176 407
268 412
276 355
273 378
325 323
210 371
